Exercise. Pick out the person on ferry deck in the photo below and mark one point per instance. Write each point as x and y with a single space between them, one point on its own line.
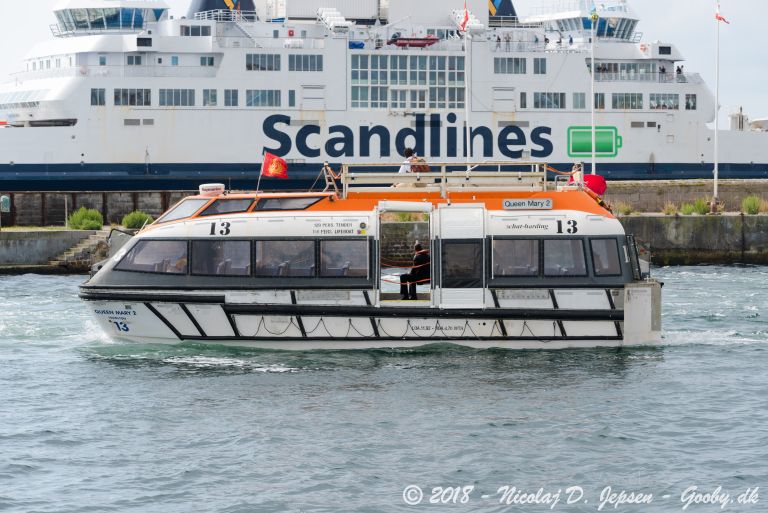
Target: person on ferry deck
420 273
409 157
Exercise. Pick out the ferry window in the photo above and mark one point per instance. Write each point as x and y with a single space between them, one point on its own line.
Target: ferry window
133 97
515 257
664 101
262 97
209 97
174 60
462 264
509 65
690 102
605 257
227 206
184 209
540 66
177 97
548 100
292 98
665 50
600 101
143 41
102 60
305 62
523 100
579 100
206 60
344 258
287 258
133 60
632 101
286 203
221 257
156 256
564 257
262 62
185 30
205 31
98 97
230 97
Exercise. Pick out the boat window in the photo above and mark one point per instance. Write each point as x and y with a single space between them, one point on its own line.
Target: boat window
344 258
515 257
184 209
605 257
156 256
286 203
564 257
221 257
462 264
227 206
291 258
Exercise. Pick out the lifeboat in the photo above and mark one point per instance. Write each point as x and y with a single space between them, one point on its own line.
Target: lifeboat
497 255
412 42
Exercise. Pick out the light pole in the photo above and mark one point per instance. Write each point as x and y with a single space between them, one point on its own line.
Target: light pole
594 17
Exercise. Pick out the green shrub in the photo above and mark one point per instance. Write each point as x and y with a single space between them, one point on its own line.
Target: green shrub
670 209
701 206
751 205
86 219
686 209
136 220
623 208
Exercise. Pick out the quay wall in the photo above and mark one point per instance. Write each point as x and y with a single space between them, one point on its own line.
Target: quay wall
651 196
48 208
711 239
37 247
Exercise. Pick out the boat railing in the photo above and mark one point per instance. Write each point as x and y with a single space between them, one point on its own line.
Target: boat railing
446 177
662 78
227 15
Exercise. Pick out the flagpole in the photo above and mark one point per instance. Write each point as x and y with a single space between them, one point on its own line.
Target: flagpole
468 99
717 110
261 170
594 130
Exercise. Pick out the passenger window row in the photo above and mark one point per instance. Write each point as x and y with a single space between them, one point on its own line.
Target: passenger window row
557 258
297 258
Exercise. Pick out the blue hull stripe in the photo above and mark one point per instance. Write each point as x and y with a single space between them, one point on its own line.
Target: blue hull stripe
128 177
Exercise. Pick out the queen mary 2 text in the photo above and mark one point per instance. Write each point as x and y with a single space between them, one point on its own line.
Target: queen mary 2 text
429 135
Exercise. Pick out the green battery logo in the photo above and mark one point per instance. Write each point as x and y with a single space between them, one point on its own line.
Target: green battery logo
607 139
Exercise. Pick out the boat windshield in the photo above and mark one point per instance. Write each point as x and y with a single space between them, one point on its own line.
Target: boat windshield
184 209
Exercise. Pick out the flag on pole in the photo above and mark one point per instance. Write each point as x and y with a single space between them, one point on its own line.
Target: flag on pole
464 18
720 17
274 167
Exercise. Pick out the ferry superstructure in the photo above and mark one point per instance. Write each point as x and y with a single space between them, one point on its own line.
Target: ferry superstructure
516 262
127 97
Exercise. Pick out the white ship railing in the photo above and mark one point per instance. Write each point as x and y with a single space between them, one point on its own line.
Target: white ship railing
447 177
270 42
227 15
662 78
119 71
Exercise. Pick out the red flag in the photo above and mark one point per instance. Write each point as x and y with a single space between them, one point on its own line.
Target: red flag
274 167
720 17
464 19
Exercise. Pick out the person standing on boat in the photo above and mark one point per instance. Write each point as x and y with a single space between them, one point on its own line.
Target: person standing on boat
420 273
410 156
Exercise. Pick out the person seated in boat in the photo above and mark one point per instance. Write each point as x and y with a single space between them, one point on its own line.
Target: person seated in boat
420 273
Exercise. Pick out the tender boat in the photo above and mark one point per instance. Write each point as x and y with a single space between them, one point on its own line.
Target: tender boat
517 261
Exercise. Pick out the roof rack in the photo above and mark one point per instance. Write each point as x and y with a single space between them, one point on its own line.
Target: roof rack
446 177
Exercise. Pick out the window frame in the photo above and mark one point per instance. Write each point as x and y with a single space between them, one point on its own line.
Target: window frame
204 213
191 256
368 257
148 241
559 239
592 254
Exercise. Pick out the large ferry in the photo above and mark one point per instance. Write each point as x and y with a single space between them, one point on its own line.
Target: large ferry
506 258
126 96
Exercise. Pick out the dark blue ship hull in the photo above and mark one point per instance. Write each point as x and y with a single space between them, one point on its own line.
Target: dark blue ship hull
134 177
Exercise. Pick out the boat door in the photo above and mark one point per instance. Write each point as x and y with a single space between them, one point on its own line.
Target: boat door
402 225
461 256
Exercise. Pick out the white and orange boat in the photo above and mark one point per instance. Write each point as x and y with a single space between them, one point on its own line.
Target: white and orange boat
517 261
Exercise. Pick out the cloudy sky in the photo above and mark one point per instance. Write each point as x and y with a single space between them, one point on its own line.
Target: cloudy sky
689 24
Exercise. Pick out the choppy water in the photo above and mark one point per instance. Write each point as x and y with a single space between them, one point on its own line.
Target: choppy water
90 425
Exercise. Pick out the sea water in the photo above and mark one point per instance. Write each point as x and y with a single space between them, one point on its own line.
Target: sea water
91 425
